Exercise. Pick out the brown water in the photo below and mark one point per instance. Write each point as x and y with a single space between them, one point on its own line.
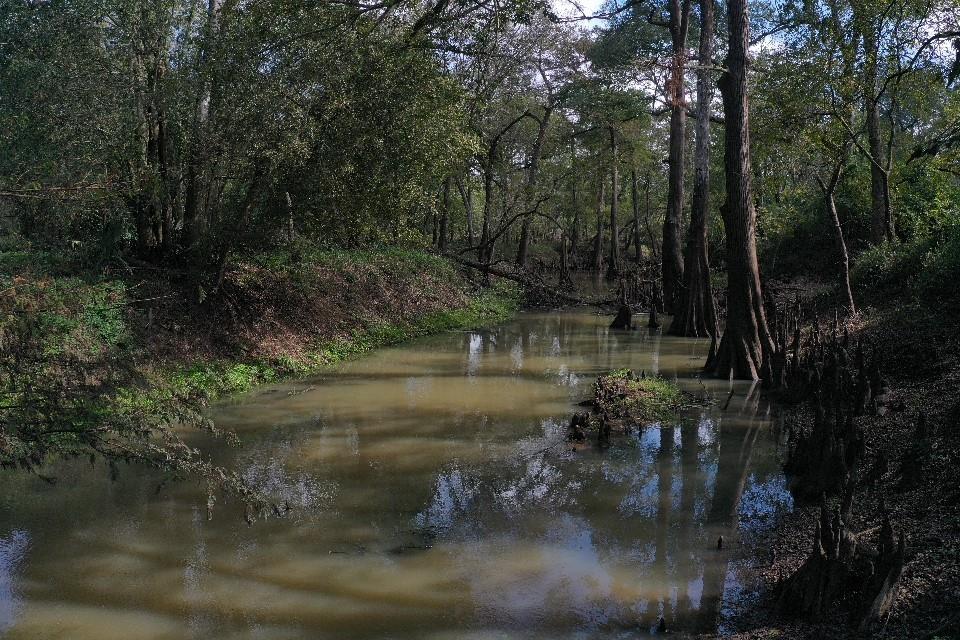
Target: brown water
433 498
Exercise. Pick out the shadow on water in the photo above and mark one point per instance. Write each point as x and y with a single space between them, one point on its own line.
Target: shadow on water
434 499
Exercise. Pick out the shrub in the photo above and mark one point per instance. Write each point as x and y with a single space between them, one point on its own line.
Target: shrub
938 280
927 268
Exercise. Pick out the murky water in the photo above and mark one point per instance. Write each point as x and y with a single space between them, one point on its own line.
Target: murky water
433 498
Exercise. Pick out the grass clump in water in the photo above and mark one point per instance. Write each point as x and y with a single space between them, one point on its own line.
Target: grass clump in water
623 400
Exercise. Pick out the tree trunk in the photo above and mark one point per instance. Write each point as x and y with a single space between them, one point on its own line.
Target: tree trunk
672 261
288 201
564 278
193 221
159 210
613 269
882 217
483 252
575 233
634 193
531 186
466 192
746 347
442 235
646 215
695 315
598 239
843 258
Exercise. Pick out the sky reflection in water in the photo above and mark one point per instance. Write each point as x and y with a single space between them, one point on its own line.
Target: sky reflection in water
433 499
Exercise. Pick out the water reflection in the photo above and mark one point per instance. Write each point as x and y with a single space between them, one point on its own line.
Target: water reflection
13 548
437 500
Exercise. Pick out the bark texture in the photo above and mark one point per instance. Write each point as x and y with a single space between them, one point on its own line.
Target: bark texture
598 239
634 195
613 269
672 259
531 187
829 189
746 346
882 217
695 314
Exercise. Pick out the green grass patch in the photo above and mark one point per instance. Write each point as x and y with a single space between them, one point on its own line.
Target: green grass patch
623 398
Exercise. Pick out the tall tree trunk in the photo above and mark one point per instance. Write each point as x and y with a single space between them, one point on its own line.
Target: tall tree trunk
575 203
746 348
483 252
524 247
598 239
882 217
443 235
565 278
672 260
695 314
288 201
466 193
646 215
575 232
160 206
613 269
531 187
634 195
193 221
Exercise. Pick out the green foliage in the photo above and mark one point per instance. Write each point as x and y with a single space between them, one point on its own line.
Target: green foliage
889 267
72 380
164 130
939 277
926 269
623 396
72 317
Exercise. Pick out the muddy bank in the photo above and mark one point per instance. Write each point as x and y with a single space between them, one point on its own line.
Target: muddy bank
909 473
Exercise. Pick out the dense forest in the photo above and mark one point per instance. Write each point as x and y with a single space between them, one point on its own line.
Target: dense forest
199 196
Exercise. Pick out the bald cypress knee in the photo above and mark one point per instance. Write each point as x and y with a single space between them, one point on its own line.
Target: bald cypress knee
746 346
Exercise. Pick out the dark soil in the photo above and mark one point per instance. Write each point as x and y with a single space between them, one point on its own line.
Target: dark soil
920 489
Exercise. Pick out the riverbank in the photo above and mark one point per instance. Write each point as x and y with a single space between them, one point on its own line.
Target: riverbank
909 472
101 362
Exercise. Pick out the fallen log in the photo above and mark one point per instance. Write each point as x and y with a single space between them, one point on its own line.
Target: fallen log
521 277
